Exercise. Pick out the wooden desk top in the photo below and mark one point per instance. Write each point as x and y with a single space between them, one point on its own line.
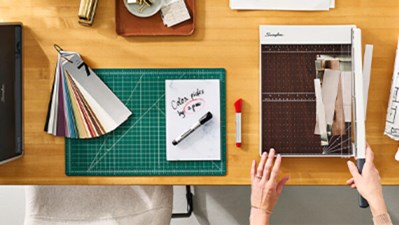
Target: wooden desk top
223 38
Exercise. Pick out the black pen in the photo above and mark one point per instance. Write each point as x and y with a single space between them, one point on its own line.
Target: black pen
200 122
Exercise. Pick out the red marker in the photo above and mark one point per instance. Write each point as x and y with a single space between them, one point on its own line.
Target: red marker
238 106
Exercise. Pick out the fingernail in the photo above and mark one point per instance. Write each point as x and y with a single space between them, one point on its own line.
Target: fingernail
278 155
272 149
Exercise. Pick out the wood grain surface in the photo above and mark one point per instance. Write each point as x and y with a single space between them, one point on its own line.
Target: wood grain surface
222 38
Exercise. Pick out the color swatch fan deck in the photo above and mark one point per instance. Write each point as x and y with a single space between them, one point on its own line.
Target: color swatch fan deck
81 105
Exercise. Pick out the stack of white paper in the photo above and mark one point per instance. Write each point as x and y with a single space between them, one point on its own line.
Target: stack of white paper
299 5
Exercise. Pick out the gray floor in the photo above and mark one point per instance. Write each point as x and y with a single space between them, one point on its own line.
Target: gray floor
297 205
229 205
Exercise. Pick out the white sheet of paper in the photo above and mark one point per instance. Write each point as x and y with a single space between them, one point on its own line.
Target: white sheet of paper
332 4
346 81
392 119
321 118
186 101
174 13
300 5
329 91
367 60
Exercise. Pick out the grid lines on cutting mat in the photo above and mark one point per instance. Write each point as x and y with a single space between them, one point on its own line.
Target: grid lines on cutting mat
138 146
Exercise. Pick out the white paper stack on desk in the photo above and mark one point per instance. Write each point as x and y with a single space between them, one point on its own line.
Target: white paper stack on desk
294 5
81 105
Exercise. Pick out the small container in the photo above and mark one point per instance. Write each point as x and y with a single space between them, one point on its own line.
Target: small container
147 11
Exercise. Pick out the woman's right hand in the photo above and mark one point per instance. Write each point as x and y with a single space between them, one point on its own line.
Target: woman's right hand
368 183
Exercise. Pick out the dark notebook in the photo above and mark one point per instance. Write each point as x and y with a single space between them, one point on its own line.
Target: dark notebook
11 144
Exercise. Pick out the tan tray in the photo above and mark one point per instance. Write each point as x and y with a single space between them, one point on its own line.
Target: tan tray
130 25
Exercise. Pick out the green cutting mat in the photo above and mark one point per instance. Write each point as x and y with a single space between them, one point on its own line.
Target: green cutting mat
138 146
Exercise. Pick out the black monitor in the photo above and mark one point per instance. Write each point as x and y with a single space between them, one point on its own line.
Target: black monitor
11 142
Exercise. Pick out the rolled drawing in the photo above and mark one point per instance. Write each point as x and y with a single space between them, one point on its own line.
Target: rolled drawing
392 119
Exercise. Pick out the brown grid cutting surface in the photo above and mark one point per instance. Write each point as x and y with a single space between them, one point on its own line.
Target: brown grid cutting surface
289 103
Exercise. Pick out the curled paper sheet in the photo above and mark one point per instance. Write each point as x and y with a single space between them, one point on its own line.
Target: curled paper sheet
81 105
392 120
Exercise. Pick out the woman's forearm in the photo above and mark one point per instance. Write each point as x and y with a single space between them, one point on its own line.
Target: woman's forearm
259 217
382 219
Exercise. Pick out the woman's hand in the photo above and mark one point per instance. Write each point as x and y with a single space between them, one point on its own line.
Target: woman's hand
368 183
266 189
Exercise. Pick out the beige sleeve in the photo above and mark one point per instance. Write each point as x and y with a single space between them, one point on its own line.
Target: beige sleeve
382 219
